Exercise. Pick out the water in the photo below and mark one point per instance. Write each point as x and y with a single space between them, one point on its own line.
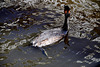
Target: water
20 23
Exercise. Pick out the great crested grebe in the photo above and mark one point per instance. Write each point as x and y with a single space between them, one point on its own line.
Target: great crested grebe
51 36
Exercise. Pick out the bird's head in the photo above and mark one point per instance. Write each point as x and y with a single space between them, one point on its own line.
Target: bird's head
66 10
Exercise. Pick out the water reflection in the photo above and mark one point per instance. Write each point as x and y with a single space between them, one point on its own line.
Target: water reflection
20 23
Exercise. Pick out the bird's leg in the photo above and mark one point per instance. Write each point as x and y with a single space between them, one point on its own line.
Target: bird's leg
44 52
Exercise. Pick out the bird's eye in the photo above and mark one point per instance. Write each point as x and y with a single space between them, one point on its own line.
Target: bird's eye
65 11
69 11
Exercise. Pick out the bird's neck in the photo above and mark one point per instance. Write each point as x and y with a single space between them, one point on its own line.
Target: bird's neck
65 26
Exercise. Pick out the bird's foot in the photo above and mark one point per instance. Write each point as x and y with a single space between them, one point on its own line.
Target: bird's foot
45 53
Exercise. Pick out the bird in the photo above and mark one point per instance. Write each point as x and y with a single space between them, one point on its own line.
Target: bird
52 36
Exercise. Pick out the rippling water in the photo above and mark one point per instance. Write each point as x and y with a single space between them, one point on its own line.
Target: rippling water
22 21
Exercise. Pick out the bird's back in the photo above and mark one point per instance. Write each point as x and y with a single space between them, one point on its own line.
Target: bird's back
48 37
